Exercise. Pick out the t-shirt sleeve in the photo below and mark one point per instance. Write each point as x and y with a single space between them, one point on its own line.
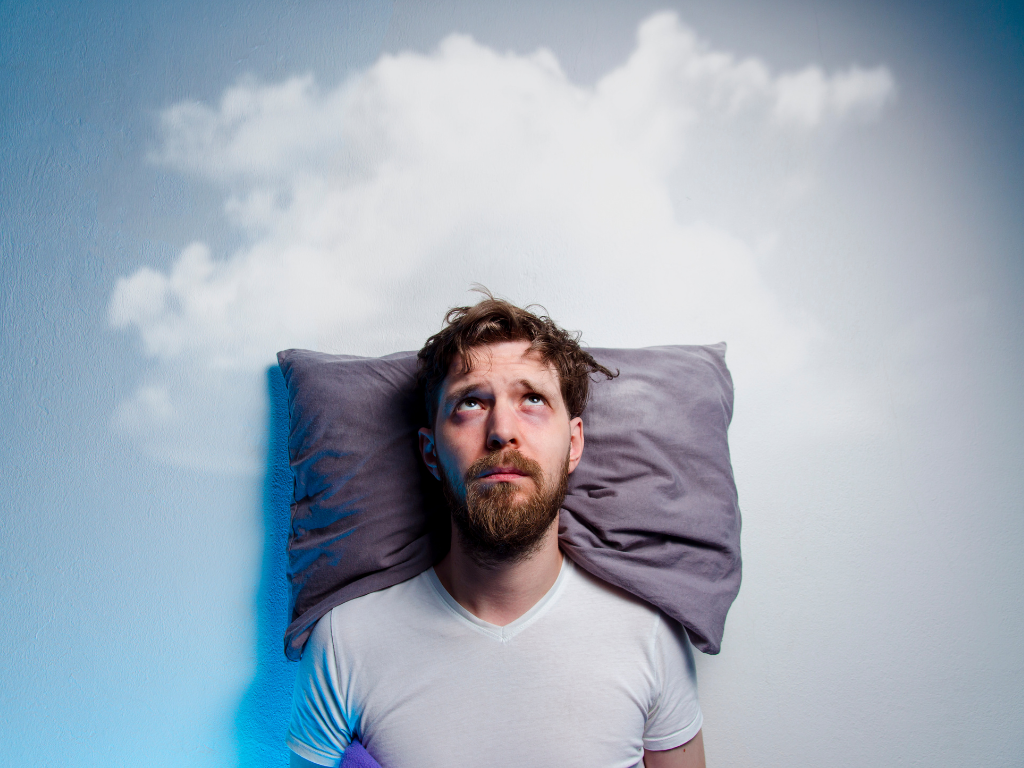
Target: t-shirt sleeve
675 716
318 730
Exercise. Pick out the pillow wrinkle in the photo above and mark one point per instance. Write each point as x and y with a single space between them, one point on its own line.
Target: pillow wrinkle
321 535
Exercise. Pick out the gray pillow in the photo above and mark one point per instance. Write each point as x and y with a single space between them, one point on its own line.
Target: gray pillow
651 508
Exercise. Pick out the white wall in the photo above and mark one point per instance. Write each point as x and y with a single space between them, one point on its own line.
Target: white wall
832 189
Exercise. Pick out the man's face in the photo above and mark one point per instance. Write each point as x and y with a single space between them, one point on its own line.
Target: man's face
502 445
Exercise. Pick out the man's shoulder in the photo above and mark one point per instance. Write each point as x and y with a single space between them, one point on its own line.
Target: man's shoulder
394 601
594 594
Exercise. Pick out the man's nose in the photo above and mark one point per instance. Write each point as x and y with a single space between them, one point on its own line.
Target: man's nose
502 429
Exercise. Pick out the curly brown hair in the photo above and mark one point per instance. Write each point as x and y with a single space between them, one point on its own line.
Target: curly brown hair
496 320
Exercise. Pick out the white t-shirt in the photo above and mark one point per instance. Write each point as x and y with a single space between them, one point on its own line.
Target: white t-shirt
588 677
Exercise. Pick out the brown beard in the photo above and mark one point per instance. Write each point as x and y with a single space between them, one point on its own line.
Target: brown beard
492 526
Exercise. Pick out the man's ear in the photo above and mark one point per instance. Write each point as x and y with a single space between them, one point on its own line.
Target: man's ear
428 450
575 442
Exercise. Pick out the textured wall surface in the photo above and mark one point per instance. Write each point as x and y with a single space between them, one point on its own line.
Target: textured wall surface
832 188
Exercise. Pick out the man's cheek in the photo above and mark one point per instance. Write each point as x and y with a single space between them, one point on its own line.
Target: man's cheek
456 482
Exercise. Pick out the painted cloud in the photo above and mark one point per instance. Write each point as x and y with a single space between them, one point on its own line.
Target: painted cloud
637 208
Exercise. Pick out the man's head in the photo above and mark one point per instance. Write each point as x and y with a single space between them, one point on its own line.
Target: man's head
504 391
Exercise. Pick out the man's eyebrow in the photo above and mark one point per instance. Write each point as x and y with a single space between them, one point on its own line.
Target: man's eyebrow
457 394
531 387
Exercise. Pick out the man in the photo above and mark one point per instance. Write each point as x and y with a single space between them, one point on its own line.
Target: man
504 653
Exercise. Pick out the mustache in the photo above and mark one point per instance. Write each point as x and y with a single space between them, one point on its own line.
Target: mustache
506 458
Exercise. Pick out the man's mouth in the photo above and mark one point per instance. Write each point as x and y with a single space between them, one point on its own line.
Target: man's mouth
502 474
506 467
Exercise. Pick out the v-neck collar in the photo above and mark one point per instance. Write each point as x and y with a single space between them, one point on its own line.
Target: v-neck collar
507 632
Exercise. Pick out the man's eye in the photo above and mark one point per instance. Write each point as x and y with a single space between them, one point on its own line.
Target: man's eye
535 399
469 404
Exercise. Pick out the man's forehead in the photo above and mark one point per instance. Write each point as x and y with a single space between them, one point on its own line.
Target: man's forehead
502 357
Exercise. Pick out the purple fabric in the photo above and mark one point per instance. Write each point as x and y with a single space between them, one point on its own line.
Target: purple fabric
357 757
652 508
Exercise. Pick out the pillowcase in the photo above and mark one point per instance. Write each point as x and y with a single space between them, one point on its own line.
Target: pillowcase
651 508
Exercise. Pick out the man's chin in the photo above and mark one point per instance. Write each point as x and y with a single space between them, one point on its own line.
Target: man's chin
505 526
512 493
504 521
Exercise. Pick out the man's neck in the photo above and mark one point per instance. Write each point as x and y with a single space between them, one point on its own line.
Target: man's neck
502 593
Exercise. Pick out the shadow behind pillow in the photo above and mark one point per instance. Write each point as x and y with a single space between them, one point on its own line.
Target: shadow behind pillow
652 508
